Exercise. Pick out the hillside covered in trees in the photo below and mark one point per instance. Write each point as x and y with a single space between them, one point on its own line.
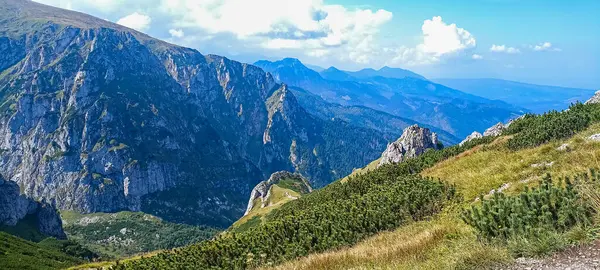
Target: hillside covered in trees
396 198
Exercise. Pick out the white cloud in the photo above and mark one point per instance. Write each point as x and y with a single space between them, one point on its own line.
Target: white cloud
136 21
176 33
504 49
103 5
439 40
310 26
545 46
476 57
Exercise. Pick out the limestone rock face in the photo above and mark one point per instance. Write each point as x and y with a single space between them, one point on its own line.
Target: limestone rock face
262 189
14 207
97 117
594 99
474 135
495 130
413 142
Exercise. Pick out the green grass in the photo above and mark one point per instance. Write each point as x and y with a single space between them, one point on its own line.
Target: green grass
482 169
123 234
26 228
20 254
279 196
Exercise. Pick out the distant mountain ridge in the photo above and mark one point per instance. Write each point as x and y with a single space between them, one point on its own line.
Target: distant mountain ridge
412 98
537 98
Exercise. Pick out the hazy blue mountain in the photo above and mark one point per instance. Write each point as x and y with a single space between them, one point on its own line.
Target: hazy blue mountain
537 98
422 101
97 117
389 125
335 74
388 72
315 68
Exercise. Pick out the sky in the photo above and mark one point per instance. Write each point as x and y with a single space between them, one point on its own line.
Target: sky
552 42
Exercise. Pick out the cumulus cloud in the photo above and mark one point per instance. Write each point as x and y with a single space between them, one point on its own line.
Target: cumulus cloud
309 25
476 57
102 5
176 33
136 21
504 49
439 40
545 46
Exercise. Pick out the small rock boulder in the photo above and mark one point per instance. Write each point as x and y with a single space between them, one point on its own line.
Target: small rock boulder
595 137
413 142
564 147
473 136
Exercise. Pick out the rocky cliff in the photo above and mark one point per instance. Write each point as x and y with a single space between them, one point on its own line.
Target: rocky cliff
594 99
262 190
473 136
14 207
413 142
99 118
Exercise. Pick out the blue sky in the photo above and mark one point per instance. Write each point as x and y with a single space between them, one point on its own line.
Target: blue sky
545 42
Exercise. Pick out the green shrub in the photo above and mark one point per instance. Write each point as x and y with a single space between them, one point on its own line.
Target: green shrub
534 130
339 215
547 207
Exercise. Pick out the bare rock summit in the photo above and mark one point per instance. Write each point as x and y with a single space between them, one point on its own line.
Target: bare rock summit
413 142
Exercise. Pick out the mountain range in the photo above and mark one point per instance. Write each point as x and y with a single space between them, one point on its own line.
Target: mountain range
402 93
96 117
536 98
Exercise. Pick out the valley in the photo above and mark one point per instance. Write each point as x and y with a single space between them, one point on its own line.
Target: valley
120 151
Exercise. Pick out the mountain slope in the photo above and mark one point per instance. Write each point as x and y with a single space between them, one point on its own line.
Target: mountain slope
100 118
536 220
280 188
411 98
16 253
537 98
389 125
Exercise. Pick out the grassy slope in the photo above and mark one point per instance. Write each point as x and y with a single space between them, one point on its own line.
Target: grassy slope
17 253
486 168
101 233
446 242
279 196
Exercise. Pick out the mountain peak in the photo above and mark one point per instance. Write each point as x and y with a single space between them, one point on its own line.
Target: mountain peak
413 142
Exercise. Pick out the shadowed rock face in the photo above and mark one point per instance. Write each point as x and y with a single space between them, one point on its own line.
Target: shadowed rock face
413 142
15 207
96 117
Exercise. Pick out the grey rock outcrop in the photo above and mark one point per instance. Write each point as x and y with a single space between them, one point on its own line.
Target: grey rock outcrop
97 117
413 142
262 189
494 130
594 99
595 137
15 207
473 136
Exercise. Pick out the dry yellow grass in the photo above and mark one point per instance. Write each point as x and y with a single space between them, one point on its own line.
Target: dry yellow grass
442 243
489 167
371 166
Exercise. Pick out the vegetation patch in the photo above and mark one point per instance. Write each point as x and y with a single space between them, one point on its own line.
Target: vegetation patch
122 234
339 215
